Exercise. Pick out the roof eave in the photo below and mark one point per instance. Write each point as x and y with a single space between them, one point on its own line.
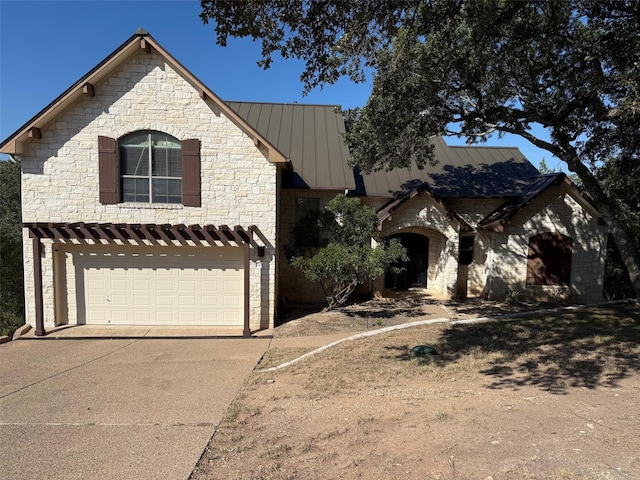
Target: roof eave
510 209
14 144
385 212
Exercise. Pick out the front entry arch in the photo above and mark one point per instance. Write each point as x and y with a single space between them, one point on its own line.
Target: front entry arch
415 273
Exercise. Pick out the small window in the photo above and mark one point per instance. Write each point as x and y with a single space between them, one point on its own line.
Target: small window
466 250
306 206
549 259
150 168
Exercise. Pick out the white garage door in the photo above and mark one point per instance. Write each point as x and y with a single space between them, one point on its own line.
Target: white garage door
159 286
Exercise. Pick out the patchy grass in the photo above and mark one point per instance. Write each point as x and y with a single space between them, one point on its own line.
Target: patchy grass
585 348
549 396
278 355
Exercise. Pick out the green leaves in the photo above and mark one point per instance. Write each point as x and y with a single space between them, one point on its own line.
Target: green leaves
11 287
344 258
562 74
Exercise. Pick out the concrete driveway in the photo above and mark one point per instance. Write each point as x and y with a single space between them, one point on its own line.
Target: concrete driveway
115 408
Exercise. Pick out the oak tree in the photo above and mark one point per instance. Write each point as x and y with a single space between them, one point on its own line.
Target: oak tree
562 74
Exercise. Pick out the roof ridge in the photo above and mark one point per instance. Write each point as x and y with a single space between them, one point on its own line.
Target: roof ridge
287 103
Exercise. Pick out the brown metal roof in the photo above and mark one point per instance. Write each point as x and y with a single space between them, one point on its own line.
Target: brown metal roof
501 215
310 136
469 171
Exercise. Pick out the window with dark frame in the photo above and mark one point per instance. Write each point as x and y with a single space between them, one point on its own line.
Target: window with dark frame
306 206
549 259
150 168
466 249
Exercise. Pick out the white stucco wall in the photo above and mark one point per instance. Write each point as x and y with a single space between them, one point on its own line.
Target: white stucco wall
60 170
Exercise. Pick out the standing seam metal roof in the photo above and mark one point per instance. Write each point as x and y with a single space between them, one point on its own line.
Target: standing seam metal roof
310 136
459 172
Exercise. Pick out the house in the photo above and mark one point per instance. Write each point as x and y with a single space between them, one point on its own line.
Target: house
147 200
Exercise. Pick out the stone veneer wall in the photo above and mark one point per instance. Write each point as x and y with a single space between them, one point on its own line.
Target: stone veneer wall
472 210
424 216
60 171
553 211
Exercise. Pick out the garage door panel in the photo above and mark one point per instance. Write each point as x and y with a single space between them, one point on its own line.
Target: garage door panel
163 286
163 300
209 300
232 317
164 317
142 317
118 300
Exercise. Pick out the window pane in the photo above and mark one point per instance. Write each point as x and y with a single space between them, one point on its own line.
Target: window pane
135 190
166 156
137 150
306 206
134 159
167 191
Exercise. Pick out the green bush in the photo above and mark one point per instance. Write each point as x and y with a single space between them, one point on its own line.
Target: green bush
334 248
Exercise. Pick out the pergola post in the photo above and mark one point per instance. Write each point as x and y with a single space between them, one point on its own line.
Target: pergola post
37 278
247 252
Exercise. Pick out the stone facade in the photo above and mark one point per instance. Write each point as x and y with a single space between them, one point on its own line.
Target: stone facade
556 210
424 216
239 186
499 258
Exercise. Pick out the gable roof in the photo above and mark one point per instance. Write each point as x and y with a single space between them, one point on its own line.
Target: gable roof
385 212
139 40
501 215
310 136
460 172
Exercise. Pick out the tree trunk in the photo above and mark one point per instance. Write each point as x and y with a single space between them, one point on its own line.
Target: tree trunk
630 255
566 153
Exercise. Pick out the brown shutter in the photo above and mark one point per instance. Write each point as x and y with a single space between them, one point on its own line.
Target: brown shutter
108 170
191 173
549 259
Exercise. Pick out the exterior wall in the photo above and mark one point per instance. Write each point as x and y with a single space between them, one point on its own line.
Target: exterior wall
293 286
424 216
472 210
60 171
554 211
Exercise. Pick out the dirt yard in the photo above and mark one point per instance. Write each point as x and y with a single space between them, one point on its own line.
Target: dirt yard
548 396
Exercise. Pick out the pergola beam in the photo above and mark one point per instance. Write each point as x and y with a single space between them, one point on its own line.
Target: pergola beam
139 233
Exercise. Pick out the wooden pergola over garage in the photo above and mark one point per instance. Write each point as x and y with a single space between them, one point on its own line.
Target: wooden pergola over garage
142 235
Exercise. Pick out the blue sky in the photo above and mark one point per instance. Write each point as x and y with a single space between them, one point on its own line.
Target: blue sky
46 46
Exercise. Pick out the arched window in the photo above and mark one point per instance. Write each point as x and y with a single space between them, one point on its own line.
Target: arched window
549 259
150 167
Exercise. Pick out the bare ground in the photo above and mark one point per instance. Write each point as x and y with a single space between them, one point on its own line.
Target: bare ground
548 396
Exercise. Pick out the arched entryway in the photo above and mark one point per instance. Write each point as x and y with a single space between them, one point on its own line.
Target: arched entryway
415 270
